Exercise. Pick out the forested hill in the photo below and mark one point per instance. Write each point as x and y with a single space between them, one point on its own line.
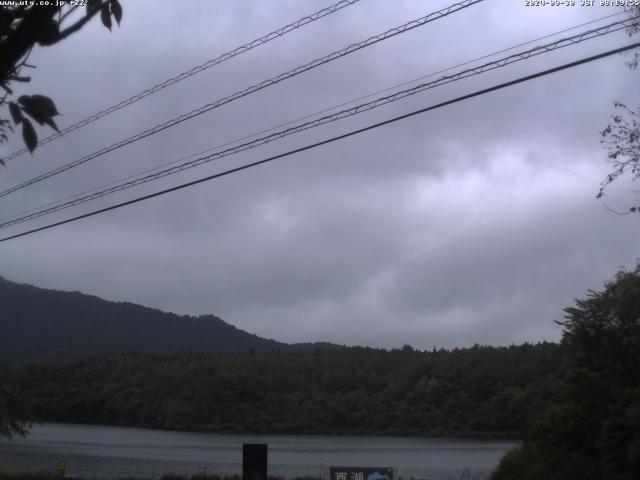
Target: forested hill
37 322
479 391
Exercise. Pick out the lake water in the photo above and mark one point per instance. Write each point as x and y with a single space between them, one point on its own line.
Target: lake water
112 452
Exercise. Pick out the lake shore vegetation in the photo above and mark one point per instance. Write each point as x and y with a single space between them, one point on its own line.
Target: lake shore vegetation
481 391
590 428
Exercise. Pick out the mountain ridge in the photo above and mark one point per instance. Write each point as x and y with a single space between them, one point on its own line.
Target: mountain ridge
37 322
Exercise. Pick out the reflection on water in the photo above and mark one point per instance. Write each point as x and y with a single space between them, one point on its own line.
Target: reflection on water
111 452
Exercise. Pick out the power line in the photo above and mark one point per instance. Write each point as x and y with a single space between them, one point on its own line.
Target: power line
500 63
329 140
290 122
193 71
298 119
616 26
254 88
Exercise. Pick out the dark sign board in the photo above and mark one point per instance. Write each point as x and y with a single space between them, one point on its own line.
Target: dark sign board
254 461
361 473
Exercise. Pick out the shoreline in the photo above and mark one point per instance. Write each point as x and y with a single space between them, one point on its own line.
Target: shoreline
472 436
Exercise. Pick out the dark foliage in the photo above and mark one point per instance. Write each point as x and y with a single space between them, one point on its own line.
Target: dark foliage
479 391
23 26
621 137
46 323
13 414
591 429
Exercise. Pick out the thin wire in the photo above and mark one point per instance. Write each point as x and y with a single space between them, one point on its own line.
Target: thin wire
500 63
329 140
290 122
193 71
254 88
231 142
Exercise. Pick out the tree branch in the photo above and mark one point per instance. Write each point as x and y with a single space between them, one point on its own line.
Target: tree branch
78 25
37 24
66 14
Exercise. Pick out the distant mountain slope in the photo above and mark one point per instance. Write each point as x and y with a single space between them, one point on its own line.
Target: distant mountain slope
35 322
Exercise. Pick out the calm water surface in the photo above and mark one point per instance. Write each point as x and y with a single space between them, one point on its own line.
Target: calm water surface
111 452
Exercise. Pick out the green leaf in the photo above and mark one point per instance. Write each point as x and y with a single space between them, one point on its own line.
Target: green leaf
116 10
105 16
39 107
16 114
29 135
52 124
41 103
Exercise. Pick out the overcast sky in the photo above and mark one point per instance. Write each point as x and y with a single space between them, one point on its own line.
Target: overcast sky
474 223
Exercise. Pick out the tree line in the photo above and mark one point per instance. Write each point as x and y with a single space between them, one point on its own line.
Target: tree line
590 429
479 391
575 404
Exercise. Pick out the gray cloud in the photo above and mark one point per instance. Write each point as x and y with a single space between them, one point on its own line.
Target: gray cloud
473 223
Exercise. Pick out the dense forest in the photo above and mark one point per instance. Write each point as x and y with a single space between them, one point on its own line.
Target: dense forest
590 429
576 404
479 391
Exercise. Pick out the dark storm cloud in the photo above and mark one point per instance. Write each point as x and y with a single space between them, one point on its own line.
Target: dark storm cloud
473 223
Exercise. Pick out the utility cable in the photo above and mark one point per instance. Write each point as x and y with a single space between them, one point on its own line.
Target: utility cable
305 117
193 71
500 63
254 88
329 140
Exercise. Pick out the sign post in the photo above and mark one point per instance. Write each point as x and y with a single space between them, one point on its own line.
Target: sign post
254 461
